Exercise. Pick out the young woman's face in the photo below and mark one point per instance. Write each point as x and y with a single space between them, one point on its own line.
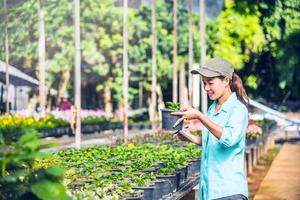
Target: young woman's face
215 86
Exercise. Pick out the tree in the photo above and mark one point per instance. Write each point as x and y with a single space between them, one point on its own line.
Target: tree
175 70
153 103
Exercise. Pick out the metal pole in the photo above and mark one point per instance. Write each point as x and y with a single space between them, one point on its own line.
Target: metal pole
154 66
203 51
175 71
77 73
42 50
125 68
190 51
6 57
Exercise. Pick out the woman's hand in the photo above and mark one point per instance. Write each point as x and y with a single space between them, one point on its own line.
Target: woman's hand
189 113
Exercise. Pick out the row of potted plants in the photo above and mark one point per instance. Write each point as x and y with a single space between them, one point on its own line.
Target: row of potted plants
50 125
257 129
145 171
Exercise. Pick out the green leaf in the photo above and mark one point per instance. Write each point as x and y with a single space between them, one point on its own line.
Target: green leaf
55 172
48 190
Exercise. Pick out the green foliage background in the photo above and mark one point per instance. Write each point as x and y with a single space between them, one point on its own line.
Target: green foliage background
261 38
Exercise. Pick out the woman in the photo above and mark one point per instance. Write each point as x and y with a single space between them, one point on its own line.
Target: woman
223 136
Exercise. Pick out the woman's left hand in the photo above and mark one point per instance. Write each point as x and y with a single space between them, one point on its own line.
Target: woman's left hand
189 113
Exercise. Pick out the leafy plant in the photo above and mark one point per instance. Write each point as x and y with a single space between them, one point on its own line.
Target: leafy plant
19 179
172 105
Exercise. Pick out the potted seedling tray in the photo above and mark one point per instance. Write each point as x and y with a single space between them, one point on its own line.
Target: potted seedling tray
168 120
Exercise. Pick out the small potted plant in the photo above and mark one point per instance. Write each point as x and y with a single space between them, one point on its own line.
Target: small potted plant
254 131
169 120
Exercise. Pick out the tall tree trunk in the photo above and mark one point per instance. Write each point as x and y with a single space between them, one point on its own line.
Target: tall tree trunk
42 50
140 95
6 57
125 68
154 67
203 51
65 78
160 100
183 95
191 54
77 72
107 99
175 70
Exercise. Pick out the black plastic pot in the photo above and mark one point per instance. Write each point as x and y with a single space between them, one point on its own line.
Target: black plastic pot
182 175
171 181
193 167
47 132
169 120
161 189
96 127
68 130
250 141
87 129
60 131
130 127
147 192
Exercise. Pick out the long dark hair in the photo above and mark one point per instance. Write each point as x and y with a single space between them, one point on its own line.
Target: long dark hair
236 85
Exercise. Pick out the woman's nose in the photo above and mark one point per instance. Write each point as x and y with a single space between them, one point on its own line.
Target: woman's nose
206 87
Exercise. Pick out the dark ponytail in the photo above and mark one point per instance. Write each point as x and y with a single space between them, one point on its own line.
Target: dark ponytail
236 85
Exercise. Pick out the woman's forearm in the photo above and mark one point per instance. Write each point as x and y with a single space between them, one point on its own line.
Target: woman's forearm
214 128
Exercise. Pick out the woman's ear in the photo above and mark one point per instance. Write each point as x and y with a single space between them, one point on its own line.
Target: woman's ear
226 81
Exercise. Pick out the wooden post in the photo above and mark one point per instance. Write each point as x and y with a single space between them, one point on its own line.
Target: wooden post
77 73
254 155
140 94
175 70
15 97
154 64
6 57
183 92
42 50
249 161
191 55
125 69
203 51
286 135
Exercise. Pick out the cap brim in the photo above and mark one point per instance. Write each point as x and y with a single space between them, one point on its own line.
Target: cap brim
206 72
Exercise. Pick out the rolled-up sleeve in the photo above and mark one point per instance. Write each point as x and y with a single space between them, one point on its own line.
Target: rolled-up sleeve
236 126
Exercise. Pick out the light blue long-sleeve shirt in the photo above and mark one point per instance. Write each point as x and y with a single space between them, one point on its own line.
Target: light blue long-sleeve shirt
222 162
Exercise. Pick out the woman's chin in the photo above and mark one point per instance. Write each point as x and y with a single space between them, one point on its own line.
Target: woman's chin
212 97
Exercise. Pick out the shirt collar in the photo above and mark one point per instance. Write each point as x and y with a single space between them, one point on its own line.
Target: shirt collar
226 105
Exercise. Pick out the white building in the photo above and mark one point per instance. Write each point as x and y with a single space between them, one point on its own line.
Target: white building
20 85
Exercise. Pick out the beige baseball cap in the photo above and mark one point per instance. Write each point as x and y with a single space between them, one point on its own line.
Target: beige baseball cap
215 67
